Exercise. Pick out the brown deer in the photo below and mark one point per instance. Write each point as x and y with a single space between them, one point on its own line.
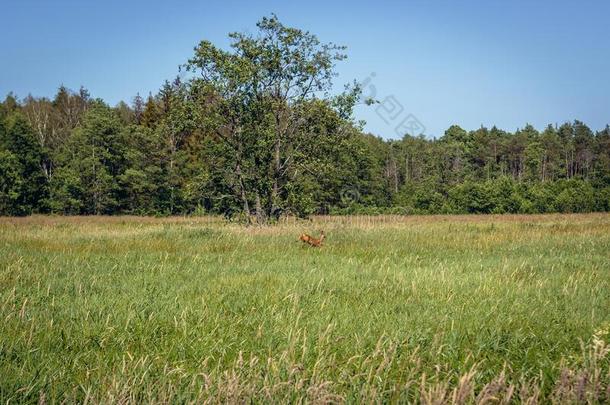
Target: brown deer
311 241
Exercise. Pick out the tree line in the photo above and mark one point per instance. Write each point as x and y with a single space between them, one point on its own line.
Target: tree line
254 133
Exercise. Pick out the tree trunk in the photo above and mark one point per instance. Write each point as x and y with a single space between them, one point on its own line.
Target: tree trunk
260 215
242 191
395 176
275 190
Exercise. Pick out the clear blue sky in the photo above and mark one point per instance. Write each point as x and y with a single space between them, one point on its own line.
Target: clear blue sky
473 63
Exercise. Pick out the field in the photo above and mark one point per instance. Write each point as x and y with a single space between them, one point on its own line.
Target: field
455 309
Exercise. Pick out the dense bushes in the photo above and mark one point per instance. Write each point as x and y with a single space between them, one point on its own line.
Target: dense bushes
502 196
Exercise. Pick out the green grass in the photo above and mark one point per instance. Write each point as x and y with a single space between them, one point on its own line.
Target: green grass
449 309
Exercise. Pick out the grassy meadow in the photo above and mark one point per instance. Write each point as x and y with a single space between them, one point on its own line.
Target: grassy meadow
455 309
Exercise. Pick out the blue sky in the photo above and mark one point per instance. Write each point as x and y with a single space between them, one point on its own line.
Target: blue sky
444 62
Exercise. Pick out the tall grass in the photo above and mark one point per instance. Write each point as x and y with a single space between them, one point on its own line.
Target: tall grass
455 309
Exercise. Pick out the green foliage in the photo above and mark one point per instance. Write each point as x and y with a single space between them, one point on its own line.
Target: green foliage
575 196
142 175
253 131
68 196
92 159
10 184
24 157
259 99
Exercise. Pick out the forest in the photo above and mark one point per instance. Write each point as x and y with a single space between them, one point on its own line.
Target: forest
254 133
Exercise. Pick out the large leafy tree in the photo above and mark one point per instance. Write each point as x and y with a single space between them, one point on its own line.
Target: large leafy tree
256 99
